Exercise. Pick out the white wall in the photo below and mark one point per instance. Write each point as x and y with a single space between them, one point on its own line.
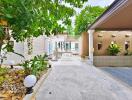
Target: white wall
38 47
19 48
22 48
46 45
91 49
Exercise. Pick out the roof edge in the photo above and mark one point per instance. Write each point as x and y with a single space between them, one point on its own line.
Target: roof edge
106 11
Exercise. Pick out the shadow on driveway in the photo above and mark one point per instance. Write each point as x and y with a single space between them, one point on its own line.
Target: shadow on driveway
123 74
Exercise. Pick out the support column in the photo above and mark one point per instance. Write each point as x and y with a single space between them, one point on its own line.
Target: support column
84 45
91 49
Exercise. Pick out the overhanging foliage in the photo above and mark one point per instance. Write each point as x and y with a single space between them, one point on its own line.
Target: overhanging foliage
28 18
87 17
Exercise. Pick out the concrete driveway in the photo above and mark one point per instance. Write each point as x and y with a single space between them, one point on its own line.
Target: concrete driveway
122 74
72 79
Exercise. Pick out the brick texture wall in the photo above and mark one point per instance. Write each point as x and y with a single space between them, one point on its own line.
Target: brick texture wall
105 37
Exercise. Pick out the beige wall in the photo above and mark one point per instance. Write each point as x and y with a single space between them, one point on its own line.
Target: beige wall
106 37
113 61
84 40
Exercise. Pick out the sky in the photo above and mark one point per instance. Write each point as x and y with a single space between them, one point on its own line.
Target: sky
102 3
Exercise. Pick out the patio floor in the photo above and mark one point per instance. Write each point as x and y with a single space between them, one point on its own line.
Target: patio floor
73 79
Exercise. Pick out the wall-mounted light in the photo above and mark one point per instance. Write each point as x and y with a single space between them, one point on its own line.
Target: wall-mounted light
127 35
112 42
100 35
126 42
113 35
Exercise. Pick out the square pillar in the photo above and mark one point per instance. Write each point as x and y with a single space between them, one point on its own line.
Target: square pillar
91 48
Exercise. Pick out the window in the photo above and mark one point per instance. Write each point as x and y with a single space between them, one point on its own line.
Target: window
76 46
67 46
59 45
99 45
127 45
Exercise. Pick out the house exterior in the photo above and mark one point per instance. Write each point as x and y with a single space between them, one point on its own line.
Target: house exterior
102 39
114 25
63 43
41 45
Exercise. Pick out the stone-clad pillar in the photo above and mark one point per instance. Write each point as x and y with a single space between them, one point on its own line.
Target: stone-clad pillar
84 45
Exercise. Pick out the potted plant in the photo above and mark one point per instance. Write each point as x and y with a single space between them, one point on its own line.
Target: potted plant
113 49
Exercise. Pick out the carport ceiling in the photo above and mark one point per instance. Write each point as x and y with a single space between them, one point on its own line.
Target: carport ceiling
117 17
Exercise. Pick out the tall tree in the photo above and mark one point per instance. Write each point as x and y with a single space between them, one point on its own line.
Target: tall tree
33 17
87 17
27 18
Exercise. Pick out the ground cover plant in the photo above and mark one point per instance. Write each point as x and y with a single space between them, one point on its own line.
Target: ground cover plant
11 80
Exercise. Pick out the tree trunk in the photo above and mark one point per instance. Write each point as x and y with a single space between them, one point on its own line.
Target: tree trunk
1 43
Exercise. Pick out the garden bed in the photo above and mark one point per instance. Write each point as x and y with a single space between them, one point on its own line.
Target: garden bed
12 80
11 83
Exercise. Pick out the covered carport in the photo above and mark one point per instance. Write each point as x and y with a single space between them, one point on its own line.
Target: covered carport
118 17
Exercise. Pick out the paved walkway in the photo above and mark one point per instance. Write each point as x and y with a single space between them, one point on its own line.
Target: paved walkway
71 79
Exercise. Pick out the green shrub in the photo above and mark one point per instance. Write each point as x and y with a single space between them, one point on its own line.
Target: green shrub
129 53
3 71
2 79
35 65
113 49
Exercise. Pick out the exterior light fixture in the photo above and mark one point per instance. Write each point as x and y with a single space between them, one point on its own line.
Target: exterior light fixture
112 42
29 82
113 35
11 63
127 35
100 35
126 42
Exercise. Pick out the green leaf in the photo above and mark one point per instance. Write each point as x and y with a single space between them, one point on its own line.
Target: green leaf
87 17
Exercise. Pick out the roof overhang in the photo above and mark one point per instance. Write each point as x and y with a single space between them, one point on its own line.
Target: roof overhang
117 17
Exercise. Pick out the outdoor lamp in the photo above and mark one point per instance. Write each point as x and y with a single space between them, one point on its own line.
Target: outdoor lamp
126 42
29 82
112 42
11 63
